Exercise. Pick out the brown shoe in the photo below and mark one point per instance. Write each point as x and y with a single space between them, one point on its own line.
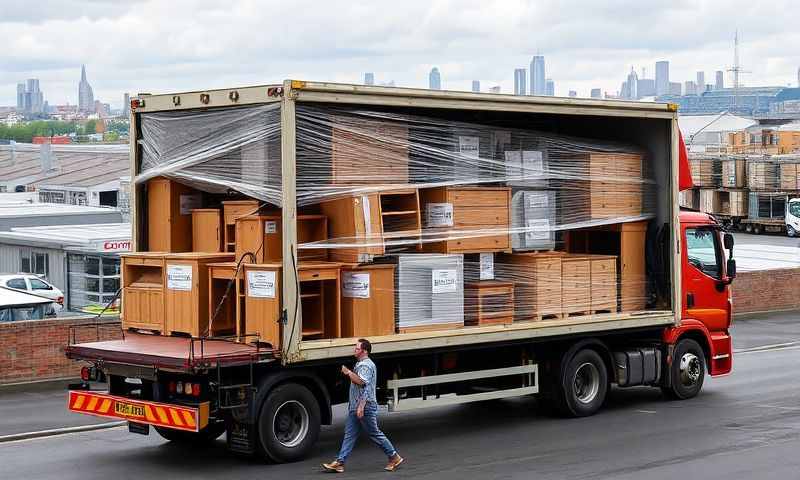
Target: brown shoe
394 462
334 467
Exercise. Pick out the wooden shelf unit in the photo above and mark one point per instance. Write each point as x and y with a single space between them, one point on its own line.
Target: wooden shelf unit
186 294
231 210
367 306
169 215
401 220
207 230
322 311
143 291
483 214
231 312
488 302
262 235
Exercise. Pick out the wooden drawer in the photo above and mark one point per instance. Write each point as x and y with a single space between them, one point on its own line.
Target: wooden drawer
493 243
480 216
306 275
478 197
155 262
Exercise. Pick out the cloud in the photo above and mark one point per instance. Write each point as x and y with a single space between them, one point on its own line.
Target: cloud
158 46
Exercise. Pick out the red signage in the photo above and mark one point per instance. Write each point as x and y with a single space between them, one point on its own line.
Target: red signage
116 245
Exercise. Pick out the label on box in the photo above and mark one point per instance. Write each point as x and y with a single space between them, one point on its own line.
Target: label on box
355 285
537 200
538 229
439 215
190 202
469 146
179 277
524 165
444 281
270 226
260 284
487 266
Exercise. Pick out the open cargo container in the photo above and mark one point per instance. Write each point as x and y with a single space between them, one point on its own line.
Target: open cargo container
613 168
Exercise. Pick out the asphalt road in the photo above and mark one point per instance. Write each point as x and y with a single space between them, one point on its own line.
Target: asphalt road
743 426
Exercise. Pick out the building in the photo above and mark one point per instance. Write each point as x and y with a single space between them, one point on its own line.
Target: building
784 107
85 94
798 77
646 87
700 82
30 98
81 260
476 86
630 89
126 105
520 81
538 86
596 93
762 140
495 89
20 97
435 79
674 88
744 101
690 88
573 93
709 133
719 84
663 85
550 87
369 78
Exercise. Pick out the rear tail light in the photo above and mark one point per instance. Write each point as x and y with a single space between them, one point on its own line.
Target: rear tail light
195 389
187 388
171 387
85 374
179 388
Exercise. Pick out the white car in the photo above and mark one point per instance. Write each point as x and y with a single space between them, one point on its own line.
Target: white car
34 285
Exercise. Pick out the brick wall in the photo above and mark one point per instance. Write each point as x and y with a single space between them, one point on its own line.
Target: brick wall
34 349
766 290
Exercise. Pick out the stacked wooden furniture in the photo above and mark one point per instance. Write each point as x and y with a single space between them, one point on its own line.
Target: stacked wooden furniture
262 236
374 147
734 173
471 219
626 241
356 221
537 279
320 283
614 188
789 176
762 175
368 295
706 172
207 230
169 215
401 220
488 302
143 290
231 210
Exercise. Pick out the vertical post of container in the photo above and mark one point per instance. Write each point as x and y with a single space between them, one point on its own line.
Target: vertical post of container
293 328
677 298
133 132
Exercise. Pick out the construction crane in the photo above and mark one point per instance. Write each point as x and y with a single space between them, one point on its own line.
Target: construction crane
736 70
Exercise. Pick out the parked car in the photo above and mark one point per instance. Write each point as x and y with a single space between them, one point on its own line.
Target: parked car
35 285
17 306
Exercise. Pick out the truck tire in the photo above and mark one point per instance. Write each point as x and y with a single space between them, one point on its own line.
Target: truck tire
687 370
757 229
791 231
206 435
289 423
748 228
582 385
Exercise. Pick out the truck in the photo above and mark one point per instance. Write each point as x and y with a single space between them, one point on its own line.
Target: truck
270 399
771 212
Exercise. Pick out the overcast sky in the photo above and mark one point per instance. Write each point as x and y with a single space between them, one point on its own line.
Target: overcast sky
177 45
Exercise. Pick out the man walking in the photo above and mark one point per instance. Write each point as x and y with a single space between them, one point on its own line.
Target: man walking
362 411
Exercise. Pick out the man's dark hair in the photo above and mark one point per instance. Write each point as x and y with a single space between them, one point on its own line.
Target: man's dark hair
365 345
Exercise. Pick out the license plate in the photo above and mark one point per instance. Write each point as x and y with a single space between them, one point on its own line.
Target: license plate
129 409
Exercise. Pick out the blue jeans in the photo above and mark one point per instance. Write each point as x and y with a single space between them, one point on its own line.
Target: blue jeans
369 423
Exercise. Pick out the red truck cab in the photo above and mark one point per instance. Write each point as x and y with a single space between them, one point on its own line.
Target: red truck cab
702 340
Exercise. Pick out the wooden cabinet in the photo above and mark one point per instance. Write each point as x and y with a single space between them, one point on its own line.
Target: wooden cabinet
186 295
262 236
368 151
207 232
488 302
537 279
401 220
262 304
169 215
603 283
354 222
470 219
226 296
320 283
367 297
143 291
626 241
231 210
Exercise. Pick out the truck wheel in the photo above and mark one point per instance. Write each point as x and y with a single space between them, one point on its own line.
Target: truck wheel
791 231
749 228
687 371
757 229
289 423
206 435
582 385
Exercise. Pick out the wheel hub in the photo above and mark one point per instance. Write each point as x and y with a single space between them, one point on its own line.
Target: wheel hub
690 369
586 382
290 423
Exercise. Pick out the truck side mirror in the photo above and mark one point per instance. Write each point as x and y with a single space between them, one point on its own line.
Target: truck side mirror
731 268
727 240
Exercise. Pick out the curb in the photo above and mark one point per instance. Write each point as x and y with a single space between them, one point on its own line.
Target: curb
59 431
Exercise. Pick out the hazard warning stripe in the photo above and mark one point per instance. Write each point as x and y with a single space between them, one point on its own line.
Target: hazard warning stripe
141 411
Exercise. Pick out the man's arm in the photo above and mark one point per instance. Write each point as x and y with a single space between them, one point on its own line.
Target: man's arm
353 376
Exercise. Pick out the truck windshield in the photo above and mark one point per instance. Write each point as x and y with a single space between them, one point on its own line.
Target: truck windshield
702 250
794 209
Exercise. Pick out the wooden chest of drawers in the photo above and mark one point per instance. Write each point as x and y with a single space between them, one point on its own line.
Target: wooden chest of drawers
488 302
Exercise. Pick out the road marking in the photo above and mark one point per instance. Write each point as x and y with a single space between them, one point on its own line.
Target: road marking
647 411
768 348
58 431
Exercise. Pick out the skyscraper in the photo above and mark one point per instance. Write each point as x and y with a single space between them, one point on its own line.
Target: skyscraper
20 97
538 86
701 82
520 81
798 77
674 88
690 88
435 79
720 83
550 87
369 78
646 87
632 84
662 78
476 86
596 93
573 93
85 94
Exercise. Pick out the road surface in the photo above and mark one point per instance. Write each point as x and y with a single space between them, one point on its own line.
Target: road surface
743 426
